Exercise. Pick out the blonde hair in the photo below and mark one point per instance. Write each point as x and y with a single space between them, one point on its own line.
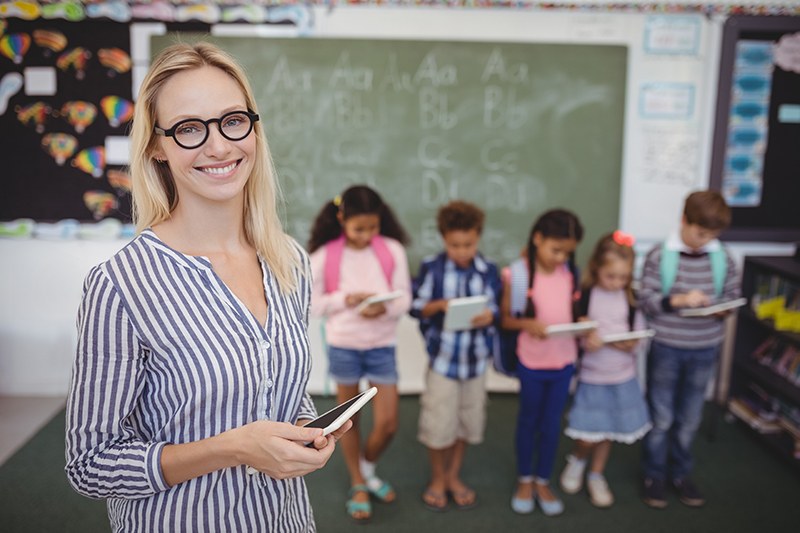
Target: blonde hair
154 195
607 246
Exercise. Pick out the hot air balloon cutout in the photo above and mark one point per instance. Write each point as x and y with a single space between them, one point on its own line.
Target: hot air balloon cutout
91 160
75 58
120 180
116 60
79 113
117 110
50 40
34 114
100 203
14 46
60 146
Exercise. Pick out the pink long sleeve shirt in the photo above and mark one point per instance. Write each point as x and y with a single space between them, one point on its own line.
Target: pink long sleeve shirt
360 272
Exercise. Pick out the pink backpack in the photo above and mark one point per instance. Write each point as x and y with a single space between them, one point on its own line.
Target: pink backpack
333 260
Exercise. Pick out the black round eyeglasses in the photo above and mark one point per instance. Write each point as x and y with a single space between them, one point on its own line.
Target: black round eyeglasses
193 132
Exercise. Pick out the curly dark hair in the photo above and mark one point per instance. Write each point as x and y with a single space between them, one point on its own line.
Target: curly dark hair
459 215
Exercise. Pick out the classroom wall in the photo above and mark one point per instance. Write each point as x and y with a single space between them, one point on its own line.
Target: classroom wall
672 64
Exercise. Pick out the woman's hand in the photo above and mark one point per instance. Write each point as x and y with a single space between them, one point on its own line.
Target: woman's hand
332 437
278 449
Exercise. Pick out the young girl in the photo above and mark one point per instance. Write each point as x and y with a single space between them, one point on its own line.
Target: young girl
608 405
357 251
546 365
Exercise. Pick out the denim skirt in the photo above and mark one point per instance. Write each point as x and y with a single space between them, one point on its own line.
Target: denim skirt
616 412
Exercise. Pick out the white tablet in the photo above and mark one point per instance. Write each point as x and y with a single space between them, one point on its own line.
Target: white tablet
629 335
336 417
461 311
378 298
713 309
570 329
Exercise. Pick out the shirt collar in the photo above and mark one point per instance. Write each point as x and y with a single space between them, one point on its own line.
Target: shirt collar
478 264
675 243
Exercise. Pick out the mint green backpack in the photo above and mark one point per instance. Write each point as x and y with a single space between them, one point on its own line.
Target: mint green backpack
669 269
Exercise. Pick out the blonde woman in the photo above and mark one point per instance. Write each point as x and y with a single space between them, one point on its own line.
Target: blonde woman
190 378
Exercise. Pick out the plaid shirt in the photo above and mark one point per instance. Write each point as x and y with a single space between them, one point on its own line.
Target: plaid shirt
456 354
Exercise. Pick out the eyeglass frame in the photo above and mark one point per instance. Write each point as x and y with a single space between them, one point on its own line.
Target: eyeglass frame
170 132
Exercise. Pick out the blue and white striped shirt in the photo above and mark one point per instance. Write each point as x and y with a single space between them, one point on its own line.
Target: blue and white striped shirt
167 354
456 354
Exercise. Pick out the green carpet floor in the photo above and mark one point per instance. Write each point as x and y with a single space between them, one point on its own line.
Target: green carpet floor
748 489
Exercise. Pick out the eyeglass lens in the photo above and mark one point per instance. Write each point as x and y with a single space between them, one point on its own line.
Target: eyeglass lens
233 126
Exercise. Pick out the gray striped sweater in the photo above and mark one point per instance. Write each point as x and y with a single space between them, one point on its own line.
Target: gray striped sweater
694 272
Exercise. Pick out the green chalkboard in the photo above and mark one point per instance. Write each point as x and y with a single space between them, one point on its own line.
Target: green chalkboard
515 127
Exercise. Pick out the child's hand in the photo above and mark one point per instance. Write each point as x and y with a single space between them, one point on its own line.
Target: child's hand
535 328
355 298
625 346
373 310
593 341
482 320
693 298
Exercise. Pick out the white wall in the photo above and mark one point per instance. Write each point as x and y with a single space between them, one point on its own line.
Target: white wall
40 281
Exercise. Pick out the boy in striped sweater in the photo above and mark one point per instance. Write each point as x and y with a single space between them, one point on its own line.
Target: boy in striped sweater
690 269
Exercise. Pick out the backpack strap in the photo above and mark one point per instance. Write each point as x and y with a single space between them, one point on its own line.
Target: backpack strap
669 268
631 316
719 269
582 305
333 260
519 287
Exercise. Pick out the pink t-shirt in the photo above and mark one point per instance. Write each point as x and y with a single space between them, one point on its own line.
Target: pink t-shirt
552 299
608 365
360 271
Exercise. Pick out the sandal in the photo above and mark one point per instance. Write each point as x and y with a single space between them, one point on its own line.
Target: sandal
434 500
353 507
381 489
464 499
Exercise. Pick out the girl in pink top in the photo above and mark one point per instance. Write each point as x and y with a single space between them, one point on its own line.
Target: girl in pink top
546 364
357 252
608 405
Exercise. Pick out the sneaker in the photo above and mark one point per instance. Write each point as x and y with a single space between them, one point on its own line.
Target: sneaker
653 493
599 493
572 477
688 493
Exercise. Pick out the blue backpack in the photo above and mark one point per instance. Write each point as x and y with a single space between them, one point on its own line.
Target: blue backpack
505 358
669 268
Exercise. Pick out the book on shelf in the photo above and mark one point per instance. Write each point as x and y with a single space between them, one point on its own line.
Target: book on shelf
744 412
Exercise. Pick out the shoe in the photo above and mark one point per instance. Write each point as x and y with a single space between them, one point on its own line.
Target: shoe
381 489
434 501
551 507
688 493
522 505
653 493
362 508
599 493
464 499
572 477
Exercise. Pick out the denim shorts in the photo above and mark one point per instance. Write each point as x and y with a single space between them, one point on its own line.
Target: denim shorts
348 366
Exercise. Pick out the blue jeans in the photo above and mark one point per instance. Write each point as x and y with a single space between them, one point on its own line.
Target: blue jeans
676 387
542 397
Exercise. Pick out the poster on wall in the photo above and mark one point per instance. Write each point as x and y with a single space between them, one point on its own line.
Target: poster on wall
65 109
757 133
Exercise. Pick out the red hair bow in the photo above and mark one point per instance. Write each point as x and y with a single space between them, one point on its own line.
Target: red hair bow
623 239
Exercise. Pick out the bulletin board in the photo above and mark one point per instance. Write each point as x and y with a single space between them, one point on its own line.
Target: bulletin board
77 95
756 154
